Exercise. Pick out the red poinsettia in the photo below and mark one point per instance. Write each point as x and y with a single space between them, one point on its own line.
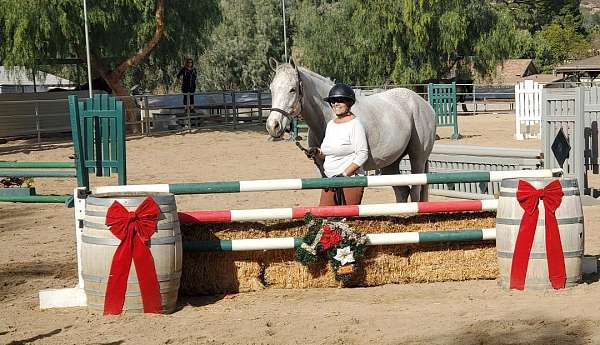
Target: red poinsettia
330 237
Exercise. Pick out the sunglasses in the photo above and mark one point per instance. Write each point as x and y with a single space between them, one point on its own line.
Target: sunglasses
337 100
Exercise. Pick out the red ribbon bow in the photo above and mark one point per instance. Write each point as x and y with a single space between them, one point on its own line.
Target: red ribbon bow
134 229
529 198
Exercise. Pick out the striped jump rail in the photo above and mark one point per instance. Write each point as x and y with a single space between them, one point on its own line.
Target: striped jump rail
35 169
6 169
190 217
319 183
486 234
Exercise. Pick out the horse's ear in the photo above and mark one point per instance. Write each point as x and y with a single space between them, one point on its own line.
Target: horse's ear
292 63
273 64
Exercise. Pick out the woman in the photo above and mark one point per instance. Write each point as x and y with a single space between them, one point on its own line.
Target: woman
344 147
187 75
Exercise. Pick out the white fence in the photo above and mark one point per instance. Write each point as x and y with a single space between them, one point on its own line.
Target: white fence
528 109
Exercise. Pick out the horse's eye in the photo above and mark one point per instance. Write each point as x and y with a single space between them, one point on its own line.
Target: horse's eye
292 90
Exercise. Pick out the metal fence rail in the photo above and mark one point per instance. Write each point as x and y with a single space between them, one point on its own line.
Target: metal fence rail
36 115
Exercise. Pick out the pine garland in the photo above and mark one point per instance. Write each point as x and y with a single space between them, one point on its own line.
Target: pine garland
344 247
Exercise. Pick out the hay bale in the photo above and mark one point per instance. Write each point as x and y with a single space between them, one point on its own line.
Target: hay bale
206 273
209 273
453 262
216 273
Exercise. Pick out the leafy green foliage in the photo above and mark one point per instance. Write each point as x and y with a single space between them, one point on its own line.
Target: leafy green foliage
355 41
38 31
555 44
250 33
380 41
533 15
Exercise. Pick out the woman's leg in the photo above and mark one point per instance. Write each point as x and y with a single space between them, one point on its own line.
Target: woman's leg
353 195
327 197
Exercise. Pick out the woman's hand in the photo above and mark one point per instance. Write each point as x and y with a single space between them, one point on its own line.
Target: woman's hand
313 152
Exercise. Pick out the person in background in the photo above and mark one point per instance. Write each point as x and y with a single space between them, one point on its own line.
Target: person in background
344 147
187 77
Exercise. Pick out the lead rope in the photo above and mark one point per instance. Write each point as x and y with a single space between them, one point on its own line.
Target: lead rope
310 155
338 197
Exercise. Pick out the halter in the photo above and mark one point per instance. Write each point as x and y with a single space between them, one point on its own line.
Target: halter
297 106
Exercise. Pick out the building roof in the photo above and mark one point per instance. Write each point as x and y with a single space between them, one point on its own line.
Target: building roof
591 64
20 76
511 71
543 78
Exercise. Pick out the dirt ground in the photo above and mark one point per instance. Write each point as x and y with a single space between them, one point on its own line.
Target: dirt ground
37 251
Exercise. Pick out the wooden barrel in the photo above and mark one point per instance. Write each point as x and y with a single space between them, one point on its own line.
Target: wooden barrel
99 246
570 223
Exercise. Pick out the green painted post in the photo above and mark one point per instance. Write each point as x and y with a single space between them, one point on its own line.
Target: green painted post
442 98
83 179
119 143
104 129
95 129
113 123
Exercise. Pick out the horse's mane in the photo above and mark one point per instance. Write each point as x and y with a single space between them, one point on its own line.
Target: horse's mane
289 69
316 75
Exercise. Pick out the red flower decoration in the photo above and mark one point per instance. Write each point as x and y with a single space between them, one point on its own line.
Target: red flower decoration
330 237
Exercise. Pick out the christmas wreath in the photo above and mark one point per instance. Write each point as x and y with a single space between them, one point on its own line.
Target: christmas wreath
344 247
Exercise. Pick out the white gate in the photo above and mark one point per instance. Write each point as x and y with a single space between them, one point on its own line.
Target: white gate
563 132
528 109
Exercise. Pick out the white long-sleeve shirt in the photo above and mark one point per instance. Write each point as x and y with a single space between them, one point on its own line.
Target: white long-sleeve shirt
344 143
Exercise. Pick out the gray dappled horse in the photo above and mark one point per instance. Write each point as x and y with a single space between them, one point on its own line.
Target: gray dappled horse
397 122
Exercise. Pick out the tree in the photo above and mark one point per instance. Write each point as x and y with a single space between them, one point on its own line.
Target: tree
556 44
122 33
237 58
324 40
533 15
376 41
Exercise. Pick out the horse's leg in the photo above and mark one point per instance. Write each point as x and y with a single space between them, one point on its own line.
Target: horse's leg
401 192
418 165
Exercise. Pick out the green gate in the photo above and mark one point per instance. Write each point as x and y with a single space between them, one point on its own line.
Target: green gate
442 98
98 132
98 128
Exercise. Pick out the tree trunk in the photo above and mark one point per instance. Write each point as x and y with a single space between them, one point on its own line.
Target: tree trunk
113 77
131 109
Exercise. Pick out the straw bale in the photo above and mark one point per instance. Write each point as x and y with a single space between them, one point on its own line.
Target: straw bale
208 273
205 273
453 262
215 273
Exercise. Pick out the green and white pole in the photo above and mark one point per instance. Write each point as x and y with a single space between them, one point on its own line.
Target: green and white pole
486 234
319 183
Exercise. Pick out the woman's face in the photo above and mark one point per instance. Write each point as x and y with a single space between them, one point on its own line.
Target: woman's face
340 106
189 63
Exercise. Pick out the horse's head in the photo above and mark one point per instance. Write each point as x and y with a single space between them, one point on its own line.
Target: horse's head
286 98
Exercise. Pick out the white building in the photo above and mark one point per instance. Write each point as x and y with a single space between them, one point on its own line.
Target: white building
19 80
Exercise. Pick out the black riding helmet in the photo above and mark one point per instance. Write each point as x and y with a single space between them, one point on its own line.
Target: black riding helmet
341 90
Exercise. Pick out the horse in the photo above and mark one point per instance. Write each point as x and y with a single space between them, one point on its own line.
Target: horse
397 122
